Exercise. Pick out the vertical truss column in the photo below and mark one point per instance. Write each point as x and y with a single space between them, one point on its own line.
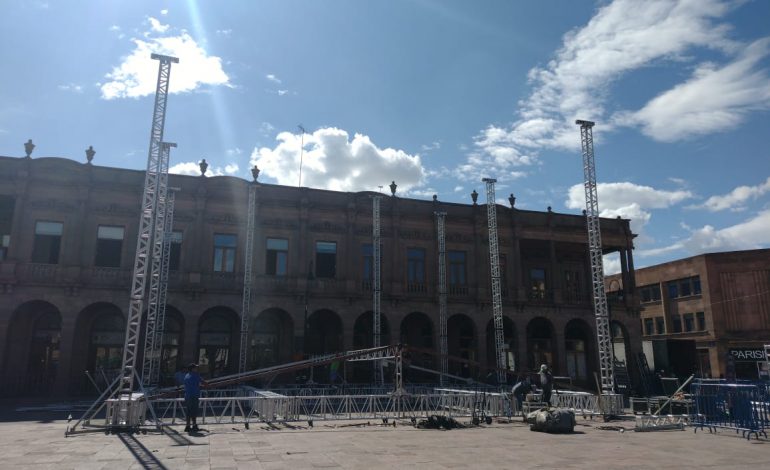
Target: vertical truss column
156 268
146 219
160 322
494 265
376 285
246 305
601 311
442 307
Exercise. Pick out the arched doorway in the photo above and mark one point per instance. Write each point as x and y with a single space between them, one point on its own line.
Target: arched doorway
34 333
510 343
540 344
270 338
461 343
324 336
417 331
171 349
578 347
108 334
215 342
363 337
619 341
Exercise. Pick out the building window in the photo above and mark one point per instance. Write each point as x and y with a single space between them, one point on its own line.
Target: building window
415 269
689 322
696 285
537 285
677 320
457 281
7 204
673 290
175 250
47 242
648 325
650 293
109 246
572 286
684 287
660 326
700 317
367 255
225 245
326 259
277 257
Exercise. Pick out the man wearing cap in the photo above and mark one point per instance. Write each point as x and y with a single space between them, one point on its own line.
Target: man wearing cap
192 393
546 382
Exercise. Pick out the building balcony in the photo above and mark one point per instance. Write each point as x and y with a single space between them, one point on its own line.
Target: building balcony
416 288
100 276
218 280
37 272
457 290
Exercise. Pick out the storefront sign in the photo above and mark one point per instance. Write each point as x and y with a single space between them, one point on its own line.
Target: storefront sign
748 354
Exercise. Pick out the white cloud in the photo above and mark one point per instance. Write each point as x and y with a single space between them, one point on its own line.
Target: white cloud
224 32
114 28
157 26
193 169
282 92
749 234
137 74
611 264
458 189
233 151
164 12
714 99
185 168
435 145
627 200
273 78
73 87
334 161
734 199
623 36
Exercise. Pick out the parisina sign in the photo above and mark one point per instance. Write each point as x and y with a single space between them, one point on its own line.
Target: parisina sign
748 354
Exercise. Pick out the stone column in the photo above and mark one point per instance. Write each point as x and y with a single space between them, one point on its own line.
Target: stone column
555 272
67 378
560 361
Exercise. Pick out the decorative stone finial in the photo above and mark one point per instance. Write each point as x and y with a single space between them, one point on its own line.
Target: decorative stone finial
512 200
393 187
549 209
435 198
29 147
90 152
255 173
203 166
474 196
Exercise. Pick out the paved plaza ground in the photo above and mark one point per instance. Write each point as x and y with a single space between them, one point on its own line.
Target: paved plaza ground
36 440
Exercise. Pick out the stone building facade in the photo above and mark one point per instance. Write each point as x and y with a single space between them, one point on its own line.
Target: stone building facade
69 233
719 300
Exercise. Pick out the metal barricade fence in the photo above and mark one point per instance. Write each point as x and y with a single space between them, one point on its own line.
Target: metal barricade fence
742 407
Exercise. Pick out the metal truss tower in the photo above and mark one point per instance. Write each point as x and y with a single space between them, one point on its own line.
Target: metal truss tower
146 219
246 305
377 286
152 348
595 250
494 265
442 307
160 322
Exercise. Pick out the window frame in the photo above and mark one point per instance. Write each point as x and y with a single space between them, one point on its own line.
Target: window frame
330 272
229 253
52 244
273 258
103 242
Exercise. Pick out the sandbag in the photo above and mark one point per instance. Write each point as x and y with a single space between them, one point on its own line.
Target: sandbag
556 420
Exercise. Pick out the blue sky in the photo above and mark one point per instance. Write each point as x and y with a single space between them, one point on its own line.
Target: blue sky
432 94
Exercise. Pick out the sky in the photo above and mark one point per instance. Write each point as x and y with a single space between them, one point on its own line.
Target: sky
431 94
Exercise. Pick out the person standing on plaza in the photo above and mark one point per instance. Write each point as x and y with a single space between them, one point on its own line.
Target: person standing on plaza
546 382
192 394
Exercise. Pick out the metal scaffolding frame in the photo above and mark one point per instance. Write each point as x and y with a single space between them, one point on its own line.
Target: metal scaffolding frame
442 296
601 310
247 271
146 219
494 266
152 348
377 286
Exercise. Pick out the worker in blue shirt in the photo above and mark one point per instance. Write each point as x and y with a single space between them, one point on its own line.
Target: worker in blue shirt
192 394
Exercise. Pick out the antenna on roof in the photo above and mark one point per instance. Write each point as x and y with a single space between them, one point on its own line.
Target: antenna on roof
301 152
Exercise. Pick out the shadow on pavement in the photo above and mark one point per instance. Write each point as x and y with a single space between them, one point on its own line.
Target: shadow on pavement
142 454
